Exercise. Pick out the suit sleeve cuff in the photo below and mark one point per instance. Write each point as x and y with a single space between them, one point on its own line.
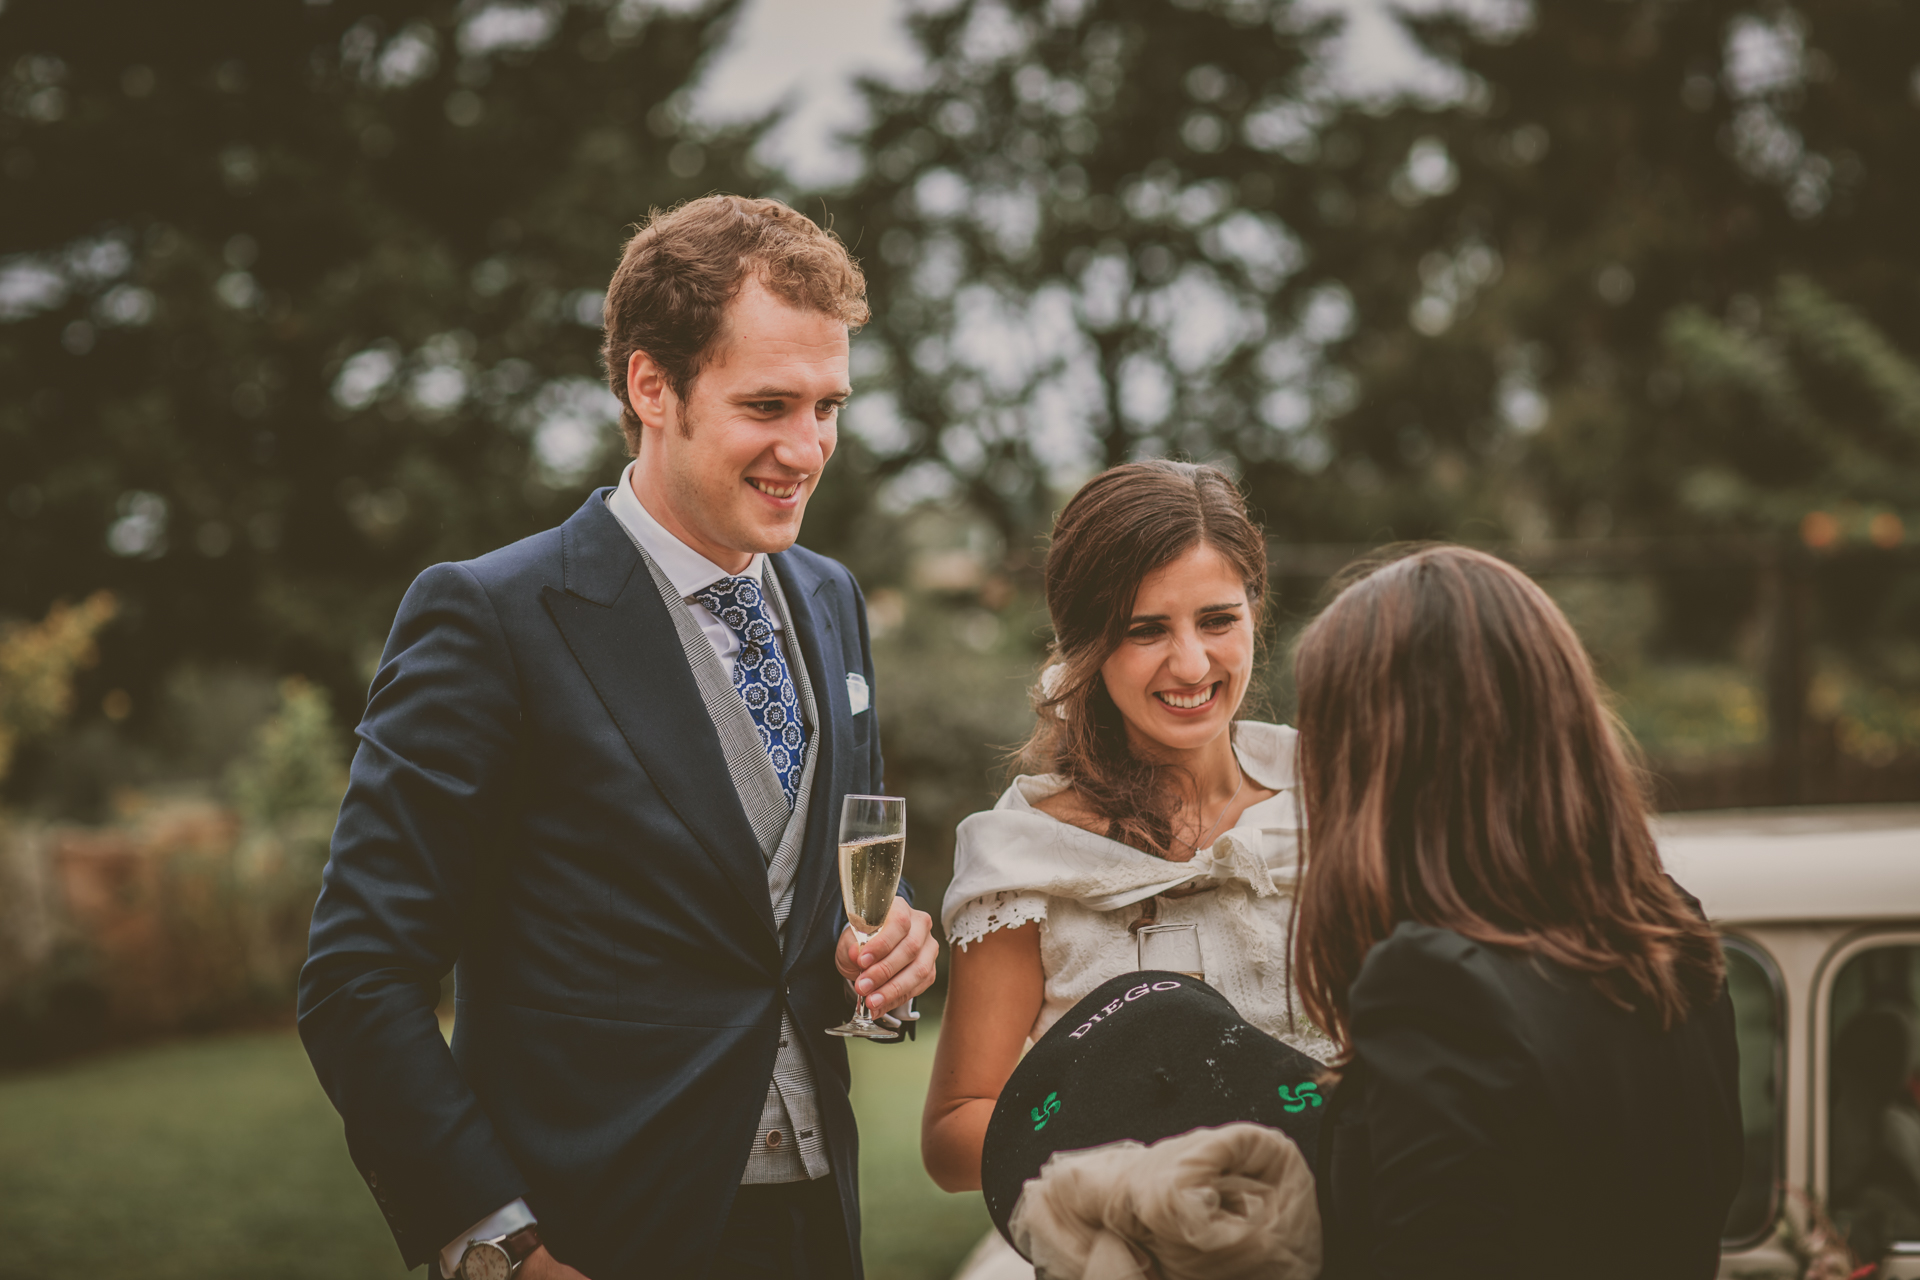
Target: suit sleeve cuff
501 1222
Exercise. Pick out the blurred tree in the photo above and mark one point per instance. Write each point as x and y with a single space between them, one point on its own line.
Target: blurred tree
1801 409
1804 428
297 764
37 666
296 298
1137 226
1080 233
1658 263
1537 297
1606 166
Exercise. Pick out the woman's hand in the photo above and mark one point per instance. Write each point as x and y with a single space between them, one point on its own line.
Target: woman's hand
896 964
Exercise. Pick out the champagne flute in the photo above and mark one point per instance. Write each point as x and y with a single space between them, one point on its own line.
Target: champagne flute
873 849
1175 947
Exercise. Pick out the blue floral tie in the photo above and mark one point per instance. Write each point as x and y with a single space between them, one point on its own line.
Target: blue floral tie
760 676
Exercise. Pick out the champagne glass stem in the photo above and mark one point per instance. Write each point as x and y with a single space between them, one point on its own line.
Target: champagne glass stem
861 1018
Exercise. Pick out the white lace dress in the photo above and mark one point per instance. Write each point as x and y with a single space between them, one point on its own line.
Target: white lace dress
1014 865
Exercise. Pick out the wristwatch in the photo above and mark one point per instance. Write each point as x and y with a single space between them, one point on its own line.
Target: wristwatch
498 1258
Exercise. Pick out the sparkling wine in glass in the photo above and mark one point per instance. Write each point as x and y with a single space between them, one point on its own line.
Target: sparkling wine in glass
1175 947
873 849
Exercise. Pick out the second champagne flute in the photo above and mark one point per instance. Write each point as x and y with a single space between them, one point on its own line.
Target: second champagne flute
873 849
1172 946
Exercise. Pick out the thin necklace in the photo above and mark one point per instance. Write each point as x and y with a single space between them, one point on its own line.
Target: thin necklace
1222 815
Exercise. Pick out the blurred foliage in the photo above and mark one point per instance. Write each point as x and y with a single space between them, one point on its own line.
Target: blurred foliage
1633 270
1875 720
297 298
297 764
1681 712
37 665
1132 227
951 691
181 912
1803 424
1797 408
1078 229
186 733
1616 618
1608 167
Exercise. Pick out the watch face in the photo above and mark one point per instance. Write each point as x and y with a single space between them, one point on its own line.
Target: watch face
485 1262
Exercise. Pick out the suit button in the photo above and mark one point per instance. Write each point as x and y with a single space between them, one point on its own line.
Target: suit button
773 1139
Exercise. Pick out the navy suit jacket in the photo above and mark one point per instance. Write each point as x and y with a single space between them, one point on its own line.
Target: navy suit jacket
539 801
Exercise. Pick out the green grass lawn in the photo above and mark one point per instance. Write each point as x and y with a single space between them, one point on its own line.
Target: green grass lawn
911 1229
221 1158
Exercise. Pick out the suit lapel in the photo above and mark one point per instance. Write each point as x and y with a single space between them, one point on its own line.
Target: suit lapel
621 634
813 601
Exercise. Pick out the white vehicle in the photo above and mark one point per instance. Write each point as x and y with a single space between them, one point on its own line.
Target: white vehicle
1820 912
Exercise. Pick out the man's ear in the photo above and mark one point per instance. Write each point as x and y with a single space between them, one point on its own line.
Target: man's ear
648 390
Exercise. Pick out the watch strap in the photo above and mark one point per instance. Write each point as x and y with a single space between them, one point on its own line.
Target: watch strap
521 1244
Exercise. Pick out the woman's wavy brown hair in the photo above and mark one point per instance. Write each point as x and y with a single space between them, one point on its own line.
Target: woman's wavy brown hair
1459 768
1125 523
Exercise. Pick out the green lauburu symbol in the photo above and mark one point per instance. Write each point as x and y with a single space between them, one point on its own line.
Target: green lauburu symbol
1298 1100
1046 1111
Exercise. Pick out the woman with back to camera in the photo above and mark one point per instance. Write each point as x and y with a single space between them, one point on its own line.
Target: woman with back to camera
1148 801
1539 1071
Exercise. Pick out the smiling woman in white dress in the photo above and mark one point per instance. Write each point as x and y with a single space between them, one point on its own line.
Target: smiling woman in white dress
1148 801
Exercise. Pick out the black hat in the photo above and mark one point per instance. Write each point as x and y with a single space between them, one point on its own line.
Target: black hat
1146 1056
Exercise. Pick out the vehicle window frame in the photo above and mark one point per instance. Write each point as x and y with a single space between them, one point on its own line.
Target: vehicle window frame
1755 951
1821 1036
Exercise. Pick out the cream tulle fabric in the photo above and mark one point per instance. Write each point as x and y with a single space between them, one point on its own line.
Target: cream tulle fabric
1015 865
1233 1203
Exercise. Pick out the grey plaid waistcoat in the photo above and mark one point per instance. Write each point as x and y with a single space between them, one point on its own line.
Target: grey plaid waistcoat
790 1109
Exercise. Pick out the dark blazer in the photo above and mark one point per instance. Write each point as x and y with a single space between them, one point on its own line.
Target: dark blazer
540 796
1502 1119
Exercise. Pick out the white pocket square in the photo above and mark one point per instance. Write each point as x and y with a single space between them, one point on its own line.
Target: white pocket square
857 692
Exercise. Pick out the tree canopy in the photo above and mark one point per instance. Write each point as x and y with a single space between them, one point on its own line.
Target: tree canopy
296 298
1133 226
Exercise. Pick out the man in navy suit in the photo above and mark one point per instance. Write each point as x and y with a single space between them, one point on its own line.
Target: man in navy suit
599 776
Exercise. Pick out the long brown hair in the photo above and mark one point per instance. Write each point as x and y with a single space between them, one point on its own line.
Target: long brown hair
1125 523
1459 768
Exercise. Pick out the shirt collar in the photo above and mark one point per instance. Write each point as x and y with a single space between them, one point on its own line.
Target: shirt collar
688 570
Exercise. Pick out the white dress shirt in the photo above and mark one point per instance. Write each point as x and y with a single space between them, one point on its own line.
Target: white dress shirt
687 569
689 572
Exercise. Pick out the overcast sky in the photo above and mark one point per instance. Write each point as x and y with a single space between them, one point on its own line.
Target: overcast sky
807 53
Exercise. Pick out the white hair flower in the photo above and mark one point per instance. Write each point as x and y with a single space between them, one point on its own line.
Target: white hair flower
1051 678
